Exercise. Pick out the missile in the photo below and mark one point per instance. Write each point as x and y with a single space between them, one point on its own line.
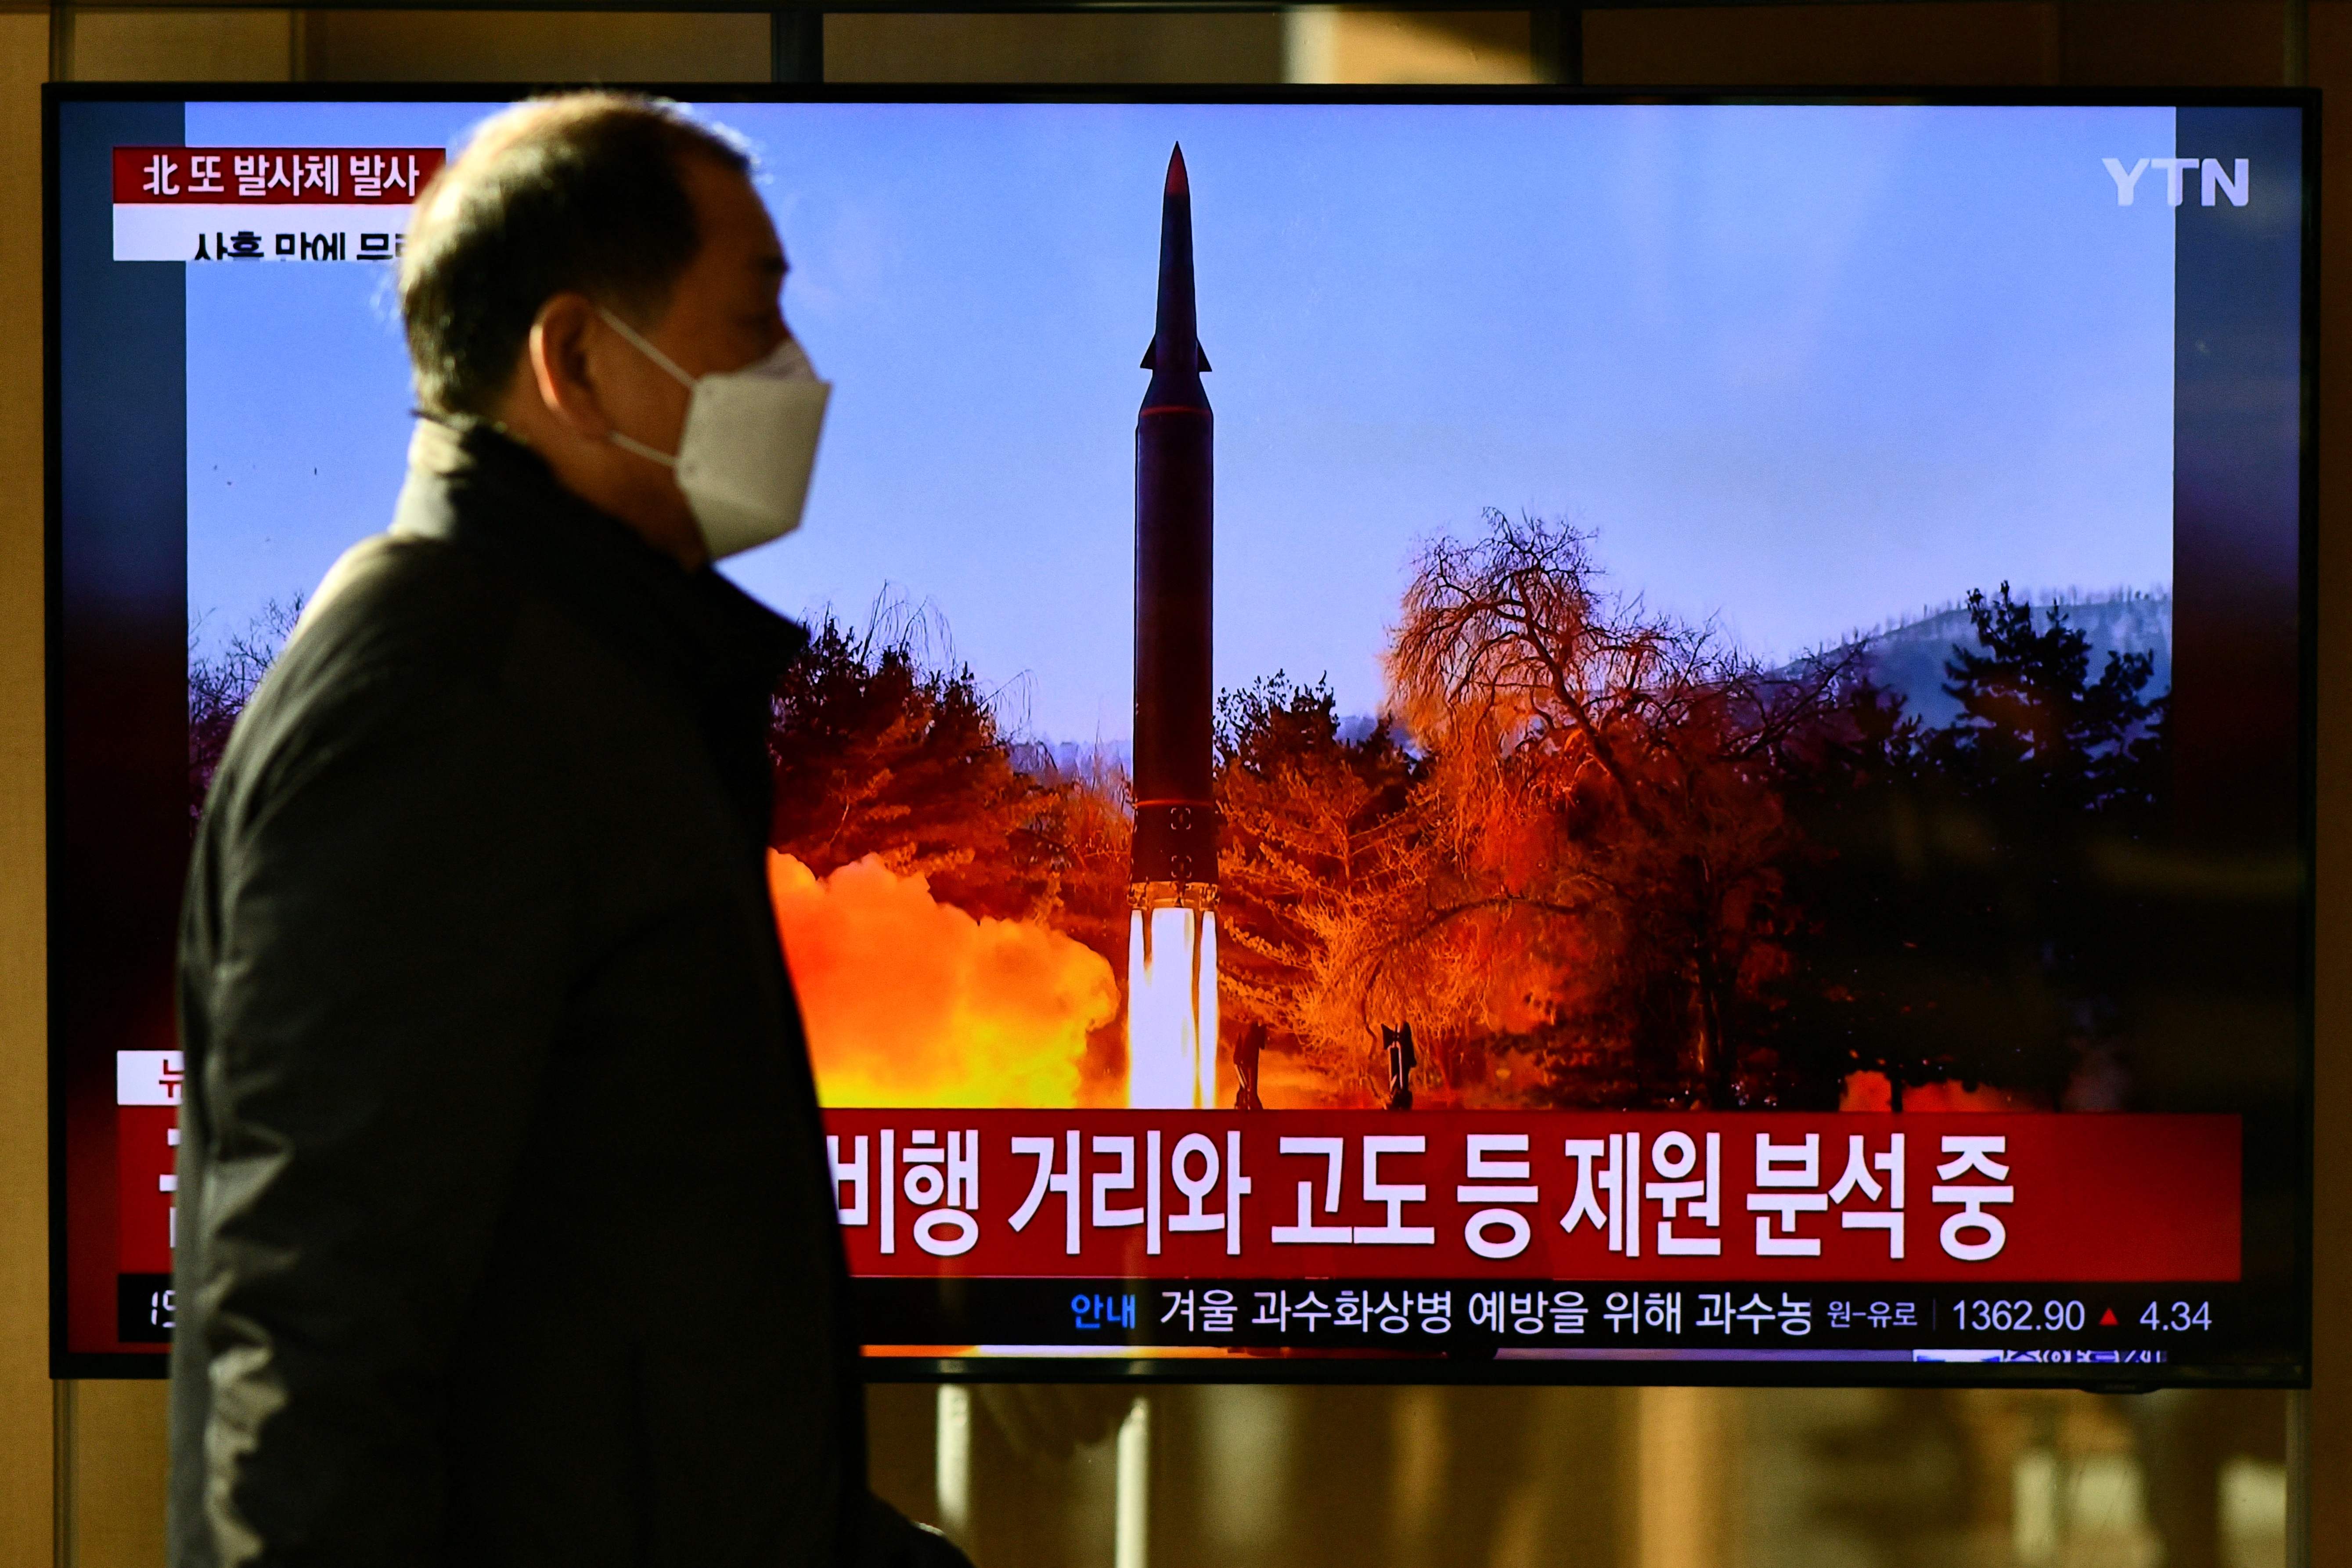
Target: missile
1171 957
1175 856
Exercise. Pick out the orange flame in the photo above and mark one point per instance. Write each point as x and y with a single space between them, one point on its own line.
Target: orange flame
909 1000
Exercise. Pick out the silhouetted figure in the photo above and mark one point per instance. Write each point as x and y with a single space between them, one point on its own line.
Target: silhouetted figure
1245 1050
521 746
1399 1041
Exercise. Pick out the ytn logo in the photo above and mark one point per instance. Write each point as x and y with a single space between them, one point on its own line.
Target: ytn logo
2234 184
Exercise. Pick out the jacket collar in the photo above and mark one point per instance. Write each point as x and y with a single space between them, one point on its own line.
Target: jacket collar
472 485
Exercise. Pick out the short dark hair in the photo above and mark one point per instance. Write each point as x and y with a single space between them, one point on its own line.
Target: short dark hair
581 193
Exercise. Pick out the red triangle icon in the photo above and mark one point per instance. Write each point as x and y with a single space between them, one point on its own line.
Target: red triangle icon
2107 1319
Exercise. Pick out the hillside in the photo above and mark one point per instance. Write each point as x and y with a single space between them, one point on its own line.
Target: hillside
1908 657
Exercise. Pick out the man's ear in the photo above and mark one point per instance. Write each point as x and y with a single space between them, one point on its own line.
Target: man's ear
562 365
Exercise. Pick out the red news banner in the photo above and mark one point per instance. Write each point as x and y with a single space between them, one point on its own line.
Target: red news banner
266 204
1521 1195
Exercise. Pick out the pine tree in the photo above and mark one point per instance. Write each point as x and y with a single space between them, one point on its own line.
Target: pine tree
876 754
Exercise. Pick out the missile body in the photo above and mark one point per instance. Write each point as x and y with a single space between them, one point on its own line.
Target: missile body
1171 966
1175 812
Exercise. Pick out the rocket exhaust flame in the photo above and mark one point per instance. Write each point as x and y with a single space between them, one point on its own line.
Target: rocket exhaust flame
1171 967
1172 1009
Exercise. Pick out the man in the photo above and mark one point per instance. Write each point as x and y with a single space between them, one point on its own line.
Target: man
1246 1051
1402 1061
506 1236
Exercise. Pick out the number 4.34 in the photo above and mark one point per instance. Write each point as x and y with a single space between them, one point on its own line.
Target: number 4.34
2178 1316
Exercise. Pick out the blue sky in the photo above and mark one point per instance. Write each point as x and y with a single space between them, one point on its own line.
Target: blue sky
1803 369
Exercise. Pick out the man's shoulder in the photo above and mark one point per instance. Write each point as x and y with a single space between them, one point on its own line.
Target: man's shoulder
404 596
401 644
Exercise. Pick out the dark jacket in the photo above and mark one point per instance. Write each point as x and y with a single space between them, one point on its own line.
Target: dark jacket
505 1234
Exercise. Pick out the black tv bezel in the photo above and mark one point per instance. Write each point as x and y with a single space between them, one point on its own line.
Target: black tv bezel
65 1363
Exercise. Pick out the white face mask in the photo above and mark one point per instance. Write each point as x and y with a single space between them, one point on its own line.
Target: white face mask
750 441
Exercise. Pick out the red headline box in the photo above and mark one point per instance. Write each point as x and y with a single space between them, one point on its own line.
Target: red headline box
1559 1195
273 177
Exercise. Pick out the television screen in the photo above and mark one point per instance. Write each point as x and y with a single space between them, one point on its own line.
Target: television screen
1496 736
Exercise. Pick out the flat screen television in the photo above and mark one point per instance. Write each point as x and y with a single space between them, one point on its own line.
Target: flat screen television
1450 736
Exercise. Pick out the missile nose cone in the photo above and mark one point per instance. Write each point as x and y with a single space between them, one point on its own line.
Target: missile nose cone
1175 350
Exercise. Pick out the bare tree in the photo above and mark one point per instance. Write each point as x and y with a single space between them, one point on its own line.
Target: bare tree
1600 796
221 684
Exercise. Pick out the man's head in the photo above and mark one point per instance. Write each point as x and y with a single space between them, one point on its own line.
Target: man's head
559 211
